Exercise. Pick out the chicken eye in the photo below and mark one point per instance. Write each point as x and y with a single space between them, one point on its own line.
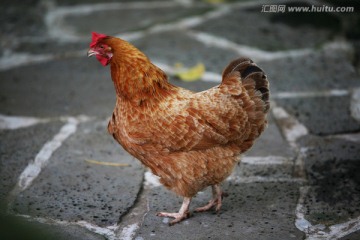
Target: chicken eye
102 46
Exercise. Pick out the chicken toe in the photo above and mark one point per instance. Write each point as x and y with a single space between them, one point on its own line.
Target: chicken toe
216 201
179 216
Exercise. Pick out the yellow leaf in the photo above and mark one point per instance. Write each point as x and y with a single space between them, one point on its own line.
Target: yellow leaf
191 74
107 163
179 65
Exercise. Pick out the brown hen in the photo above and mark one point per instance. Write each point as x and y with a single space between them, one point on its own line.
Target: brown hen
189 140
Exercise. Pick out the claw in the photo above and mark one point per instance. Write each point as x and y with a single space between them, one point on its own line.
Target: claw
216 201
179 216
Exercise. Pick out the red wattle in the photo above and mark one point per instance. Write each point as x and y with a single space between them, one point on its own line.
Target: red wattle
103 60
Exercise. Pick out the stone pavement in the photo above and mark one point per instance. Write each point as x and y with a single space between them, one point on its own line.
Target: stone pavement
300 181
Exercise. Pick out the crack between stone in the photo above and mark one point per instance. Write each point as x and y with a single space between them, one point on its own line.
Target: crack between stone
134 214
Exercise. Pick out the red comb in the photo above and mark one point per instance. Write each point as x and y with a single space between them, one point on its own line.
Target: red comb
96 37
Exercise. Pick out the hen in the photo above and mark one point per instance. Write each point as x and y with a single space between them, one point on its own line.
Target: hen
189 140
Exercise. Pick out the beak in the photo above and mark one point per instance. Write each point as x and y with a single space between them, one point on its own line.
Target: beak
91 52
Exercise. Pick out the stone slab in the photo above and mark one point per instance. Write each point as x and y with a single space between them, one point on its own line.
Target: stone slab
53 47
12 227
117 21
21 19
274 31
72 189
251 211
78 2
271 142
322 115
271 145
276 168
69 86
332 166
176 47
352 236
322 70
18 148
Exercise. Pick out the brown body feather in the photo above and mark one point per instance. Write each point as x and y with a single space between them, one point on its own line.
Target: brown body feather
190 140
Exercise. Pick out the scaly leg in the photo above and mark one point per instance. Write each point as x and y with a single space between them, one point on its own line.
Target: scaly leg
215 201
179 216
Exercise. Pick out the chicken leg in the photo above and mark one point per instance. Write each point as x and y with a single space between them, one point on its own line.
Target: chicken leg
179 216
216 201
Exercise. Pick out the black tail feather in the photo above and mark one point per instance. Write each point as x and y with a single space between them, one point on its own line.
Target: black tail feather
249 70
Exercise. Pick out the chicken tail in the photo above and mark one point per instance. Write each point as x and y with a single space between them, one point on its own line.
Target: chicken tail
252 77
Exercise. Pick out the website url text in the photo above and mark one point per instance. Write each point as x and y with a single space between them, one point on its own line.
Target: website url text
307 9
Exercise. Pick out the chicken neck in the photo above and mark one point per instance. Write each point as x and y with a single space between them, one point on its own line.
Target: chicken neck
138 80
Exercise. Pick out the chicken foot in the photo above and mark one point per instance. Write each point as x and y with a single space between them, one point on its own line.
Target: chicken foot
179 216
216 201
